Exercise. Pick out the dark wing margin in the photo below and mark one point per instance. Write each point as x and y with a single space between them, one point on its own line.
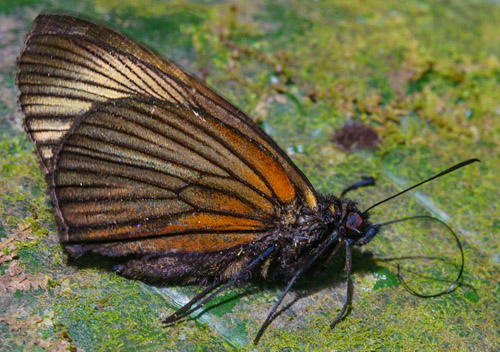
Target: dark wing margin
70 65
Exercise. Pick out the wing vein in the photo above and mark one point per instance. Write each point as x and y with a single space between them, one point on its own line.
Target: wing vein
199 152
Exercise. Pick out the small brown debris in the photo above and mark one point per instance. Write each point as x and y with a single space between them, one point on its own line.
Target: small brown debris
356 135
16 279
28 333
8 246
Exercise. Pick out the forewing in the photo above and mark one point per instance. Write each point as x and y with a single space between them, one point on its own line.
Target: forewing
70 65
142 176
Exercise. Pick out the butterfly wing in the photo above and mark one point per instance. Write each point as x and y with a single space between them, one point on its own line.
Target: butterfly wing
145 175
139 153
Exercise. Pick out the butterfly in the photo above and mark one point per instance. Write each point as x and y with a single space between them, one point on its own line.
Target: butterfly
147 165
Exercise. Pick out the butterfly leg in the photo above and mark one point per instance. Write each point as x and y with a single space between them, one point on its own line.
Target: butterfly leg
306 266
270 315
365 181
348 262
179 313
187 310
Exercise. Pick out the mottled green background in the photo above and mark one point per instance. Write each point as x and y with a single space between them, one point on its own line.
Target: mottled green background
424 74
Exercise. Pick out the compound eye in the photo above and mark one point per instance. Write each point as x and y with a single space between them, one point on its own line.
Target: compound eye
354 222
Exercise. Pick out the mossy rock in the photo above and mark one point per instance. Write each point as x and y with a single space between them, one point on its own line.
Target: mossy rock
424 74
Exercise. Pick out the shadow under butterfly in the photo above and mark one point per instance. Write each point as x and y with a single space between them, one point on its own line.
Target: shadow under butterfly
147 165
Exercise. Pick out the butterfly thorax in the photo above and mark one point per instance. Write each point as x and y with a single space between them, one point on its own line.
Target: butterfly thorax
299 241
332 217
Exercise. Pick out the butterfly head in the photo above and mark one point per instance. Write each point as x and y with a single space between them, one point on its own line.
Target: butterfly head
352 224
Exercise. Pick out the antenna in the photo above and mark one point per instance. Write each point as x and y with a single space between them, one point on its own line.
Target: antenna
447 171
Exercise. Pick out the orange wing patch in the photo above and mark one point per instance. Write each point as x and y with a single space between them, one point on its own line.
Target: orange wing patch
185 243
261 160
